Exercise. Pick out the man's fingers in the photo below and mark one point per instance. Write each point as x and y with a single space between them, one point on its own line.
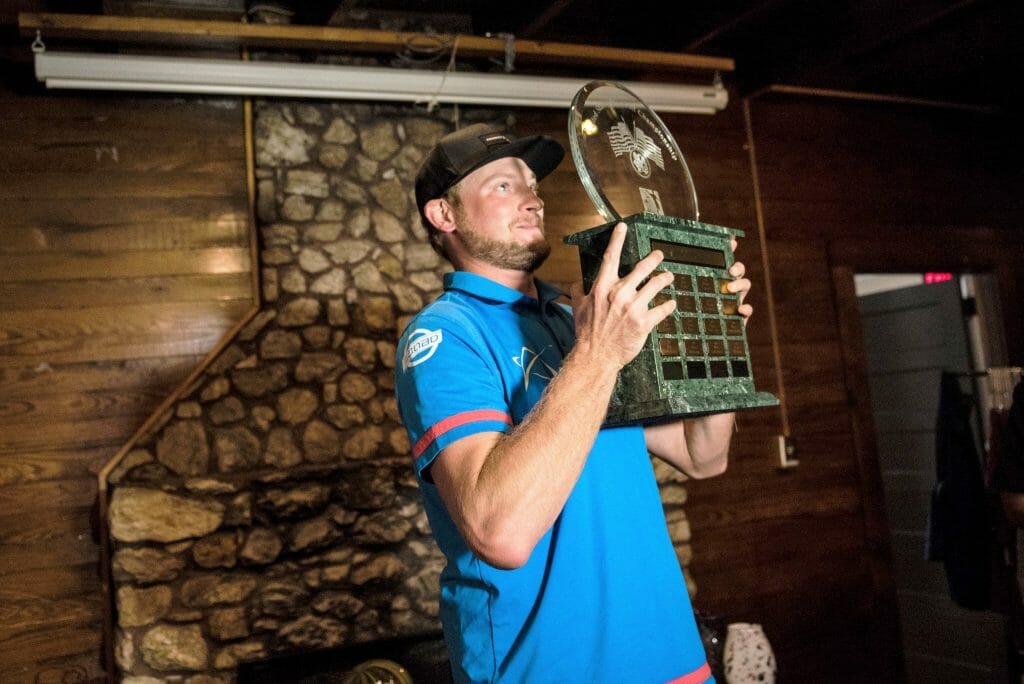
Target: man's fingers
739 286
745 310
608 273
644 268
652 287
657 314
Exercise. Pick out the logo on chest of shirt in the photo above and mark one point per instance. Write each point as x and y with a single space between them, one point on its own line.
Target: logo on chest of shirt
533 365
421 346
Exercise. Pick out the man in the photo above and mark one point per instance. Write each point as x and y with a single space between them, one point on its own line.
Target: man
560 567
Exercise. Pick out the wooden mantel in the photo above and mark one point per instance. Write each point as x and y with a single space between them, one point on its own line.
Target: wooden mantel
205 34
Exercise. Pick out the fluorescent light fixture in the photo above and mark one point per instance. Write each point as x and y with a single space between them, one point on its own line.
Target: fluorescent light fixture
91 71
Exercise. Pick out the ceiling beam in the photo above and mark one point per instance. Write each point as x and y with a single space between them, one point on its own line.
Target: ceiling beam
545 17
860 45
205 34
740 21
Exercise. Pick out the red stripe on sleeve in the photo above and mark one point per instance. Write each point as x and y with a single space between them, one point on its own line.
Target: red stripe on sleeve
698 676
449 424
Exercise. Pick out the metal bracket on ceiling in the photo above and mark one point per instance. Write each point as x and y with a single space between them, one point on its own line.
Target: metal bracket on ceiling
510 51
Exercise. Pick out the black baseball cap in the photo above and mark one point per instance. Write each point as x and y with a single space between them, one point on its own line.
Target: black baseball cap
462 152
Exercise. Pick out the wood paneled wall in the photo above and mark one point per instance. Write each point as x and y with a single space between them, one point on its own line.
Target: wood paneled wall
124 257
844 186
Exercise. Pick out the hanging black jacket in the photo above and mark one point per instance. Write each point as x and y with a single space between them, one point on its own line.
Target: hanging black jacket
959 524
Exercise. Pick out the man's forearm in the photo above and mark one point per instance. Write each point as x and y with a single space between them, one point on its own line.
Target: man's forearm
699 447
708 440
528 476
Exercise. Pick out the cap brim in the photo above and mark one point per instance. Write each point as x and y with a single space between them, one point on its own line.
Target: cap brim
540 152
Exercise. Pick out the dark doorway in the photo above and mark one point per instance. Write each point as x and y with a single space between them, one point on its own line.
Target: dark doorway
911 335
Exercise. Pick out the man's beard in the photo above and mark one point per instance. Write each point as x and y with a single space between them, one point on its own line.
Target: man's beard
507 255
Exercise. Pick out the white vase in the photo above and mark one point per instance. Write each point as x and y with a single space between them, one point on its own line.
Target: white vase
748 657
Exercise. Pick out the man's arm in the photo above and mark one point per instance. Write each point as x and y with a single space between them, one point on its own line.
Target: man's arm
699 447
505 491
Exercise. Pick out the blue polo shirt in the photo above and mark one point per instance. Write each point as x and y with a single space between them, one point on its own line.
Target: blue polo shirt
602 597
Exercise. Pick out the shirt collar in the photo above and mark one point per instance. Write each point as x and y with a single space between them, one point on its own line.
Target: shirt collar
485 288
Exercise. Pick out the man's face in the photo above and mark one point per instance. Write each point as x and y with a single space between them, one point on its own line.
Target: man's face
500 216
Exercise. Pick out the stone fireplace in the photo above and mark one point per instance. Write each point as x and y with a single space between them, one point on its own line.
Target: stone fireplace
272 509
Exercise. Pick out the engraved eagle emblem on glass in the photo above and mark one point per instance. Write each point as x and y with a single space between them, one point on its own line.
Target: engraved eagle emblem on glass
697 361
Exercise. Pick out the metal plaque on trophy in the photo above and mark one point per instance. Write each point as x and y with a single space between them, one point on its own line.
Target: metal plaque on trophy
697 361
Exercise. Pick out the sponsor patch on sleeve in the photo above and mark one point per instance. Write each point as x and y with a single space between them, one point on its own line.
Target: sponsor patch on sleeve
422 344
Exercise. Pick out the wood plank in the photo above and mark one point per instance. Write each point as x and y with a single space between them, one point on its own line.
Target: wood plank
57 216
835 500
815 214
221 33
74 407
127 232
126 264
160 373
113 184
21 613
49 495
84 667
88 292
809 555
61 464
218 158
198 344
711 514
52 584
124 258
812 364
137 331
32 543
77 635
741 495
85 117
81 435
73 117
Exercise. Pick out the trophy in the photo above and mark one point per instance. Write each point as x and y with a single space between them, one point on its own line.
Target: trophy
697 361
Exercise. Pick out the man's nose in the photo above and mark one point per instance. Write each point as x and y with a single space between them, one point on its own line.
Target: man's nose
533 201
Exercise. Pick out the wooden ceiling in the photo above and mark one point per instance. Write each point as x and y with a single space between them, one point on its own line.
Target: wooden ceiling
954 51
963 51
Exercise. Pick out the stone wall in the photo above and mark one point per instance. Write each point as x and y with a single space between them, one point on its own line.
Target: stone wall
273 509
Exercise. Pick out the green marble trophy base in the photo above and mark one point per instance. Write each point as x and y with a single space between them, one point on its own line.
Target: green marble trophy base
697 361
661 410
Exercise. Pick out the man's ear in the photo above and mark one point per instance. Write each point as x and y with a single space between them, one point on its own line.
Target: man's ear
441 214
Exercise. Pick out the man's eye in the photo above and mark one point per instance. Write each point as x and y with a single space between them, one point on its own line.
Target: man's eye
503 186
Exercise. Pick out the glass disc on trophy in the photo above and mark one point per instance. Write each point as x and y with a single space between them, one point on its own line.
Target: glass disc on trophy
625 156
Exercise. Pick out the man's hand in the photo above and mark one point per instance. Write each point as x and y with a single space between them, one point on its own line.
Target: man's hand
614 319
740 286
699 447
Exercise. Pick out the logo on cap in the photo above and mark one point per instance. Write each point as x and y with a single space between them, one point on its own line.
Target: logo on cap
493 139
